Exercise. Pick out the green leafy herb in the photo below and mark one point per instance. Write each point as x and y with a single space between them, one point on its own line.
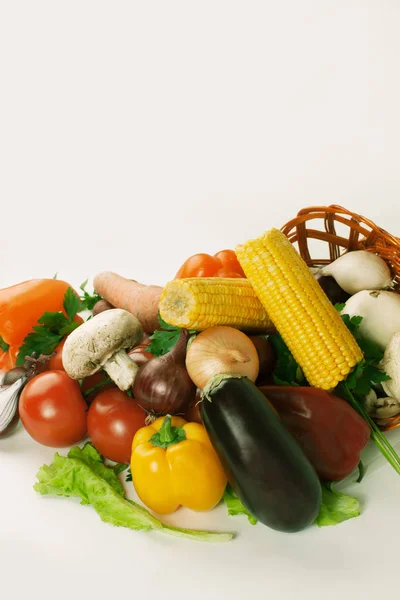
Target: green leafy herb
72 304
235 506
83 474
336 507
361 380
368 372
164 339
51 329
340 306
3 345
287 371
128 475
88 300
352 323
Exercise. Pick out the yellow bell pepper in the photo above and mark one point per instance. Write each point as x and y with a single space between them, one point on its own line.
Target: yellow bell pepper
173 463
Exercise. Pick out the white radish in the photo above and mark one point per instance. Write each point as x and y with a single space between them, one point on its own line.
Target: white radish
359 270
381 314
391 365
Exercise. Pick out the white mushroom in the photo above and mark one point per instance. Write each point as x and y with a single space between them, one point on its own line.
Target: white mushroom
100 343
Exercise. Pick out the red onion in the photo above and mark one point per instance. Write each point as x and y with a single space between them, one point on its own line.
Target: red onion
162 385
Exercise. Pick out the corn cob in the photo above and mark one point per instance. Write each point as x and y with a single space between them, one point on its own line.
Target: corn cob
201 302
310 326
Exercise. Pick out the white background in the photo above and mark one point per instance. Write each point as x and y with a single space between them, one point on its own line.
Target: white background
133 134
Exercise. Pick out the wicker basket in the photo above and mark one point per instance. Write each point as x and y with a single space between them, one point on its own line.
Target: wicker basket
321 223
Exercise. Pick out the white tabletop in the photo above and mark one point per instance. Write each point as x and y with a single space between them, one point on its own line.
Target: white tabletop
133 135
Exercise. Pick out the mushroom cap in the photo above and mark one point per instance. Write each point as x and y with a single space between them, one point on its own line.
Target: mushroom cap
93 343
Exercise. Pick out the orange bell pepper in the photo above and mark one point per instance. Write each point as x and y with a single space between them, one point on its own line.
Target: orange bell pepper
21 306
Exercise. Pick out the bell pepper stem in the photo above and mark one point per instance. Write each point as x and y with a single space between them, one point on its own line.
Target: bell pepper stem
167 434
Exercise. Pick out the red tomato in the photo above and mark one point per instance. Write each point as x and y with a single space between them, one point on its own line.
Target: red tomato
229 262
55 363
199 265
53 410
222 264
113 420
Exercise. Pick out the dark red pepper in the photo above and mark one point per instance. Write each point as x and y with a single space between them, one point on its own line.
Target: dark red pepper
330 432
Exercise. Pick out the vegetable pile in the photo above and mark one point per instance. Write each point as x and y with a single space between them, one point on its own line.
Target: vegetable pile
248 379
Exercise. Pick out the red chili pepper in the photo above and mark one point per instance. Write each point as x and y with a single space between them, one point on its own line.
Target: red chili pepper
330 432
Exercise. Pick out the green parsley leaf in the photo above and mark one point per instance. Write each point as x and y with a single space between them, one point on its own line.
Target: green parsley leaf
352 323
339 306
88 300
287 371
235 506
39 341
164 339
53 321
72 304
51 329
128 475
367 372
3 345
69 328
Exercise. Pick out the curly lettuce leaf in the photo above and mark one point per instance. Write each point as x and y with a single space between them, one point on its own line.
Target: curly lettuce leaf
336 507
82 474
235 506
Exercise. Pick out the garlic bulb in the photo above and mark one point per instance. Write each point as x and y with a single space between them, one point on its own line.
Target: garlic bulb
359 270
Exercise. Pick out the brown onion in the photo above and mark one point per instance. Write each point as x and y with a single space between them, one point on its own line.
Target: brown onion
221 350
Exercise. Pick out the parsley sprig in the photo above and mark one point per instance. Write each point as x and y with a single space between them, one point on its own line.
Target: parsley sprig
164 339
88 300
51 329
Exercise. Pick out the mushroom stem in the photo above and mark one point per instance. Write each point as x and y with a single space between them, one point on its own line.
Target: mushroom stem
121 369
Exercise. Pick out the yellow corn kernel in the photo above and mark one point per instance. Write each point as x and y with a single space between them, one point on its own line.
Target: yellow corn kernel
300 310
201 302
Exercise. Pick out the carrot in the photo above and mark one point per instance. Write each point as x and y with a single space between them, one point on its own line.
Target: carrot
140 300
